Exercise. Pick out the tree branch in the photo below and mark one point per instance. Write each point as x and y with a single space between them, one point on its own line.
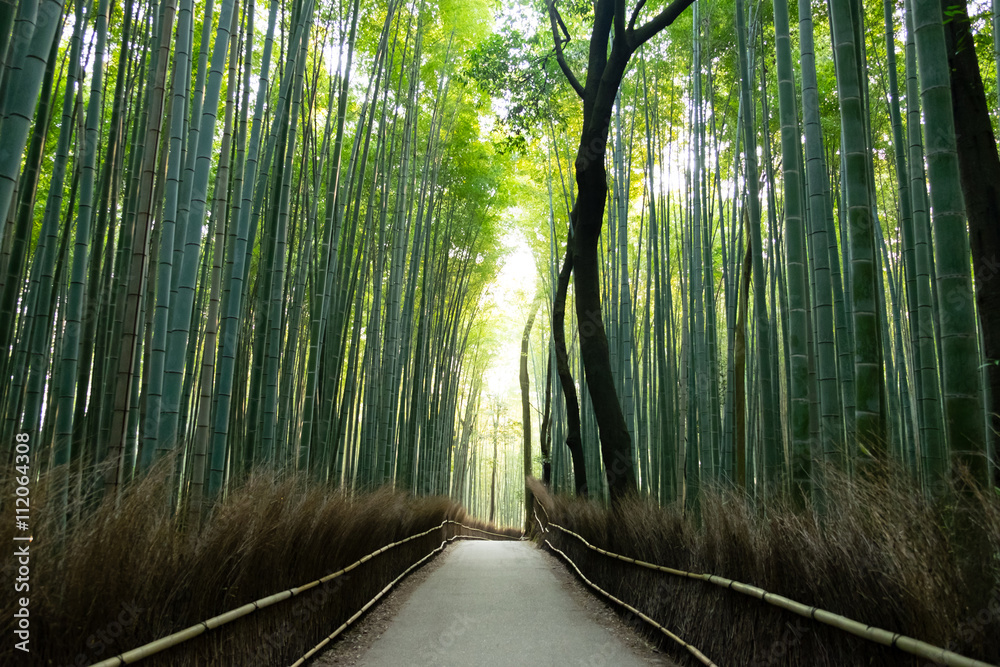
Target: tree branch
620 21
556 20
597 58
635 15
643 33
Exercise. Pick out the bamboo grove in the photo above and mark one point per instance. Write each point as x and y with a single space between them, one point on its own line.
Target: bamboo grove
242 235
787 276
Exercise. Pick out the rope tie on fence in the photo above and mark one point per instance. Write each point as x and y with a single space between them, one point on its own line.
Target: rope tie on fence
543 528
871 633
154 647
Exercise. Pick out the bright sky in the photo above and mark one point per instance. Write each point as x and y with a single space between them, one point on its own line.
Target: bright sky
508 299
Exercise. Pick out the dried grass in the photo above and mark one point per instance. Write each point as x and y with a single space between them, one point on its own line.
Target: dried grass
879 553
129 576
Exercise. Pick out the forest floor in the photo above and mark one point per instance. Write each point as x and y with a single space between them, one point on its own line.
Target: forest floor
492 603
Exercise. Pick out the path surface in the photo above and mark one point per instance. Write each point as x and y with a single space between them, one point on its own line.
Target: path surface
496 603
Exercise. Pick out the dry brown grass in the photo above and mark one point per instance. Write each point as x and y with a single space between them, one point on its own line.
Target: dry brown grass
129 576
880 554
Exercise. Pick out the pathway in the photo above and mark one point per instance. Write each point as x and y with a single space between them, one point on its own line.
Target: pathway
494 604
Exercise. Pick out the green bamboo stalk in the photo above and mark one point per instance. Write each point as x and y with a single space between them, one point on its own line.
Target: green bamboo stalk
30 55
182 304
933 445
401 235
868 362
700 446
772 456
275 315
135 262
152 446
130 63
906 223
320 324
16 244
831 426
233 303
75 303
210 345
711 322
795 258
960 361
8 13
39 297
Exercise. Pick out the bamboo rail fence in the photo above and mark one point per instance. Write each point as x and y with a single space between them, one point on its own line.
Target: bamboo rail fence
910 645
135 655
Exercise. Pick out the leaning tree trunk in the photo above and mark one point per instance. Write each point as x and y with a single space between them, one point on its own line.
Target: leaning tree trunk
573 440
526 413
546 425
604 76
588 218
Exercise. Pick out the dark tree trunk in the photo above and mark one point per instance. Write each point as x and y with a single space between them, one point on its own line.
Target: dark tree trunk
604 76
573 440
546 427
526 415
588 216
979 165
493 479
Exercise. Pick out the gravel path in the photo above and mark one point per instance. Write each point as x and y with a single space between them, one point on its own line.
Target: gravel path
492 603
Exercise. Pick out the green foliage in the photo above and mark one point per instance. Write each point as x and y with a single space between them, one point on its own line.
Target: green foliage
520 74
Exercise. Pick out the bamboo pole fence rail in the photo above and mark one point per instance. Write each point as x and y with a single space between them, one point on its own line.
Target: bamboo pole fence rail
910 645
135 655
693 650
